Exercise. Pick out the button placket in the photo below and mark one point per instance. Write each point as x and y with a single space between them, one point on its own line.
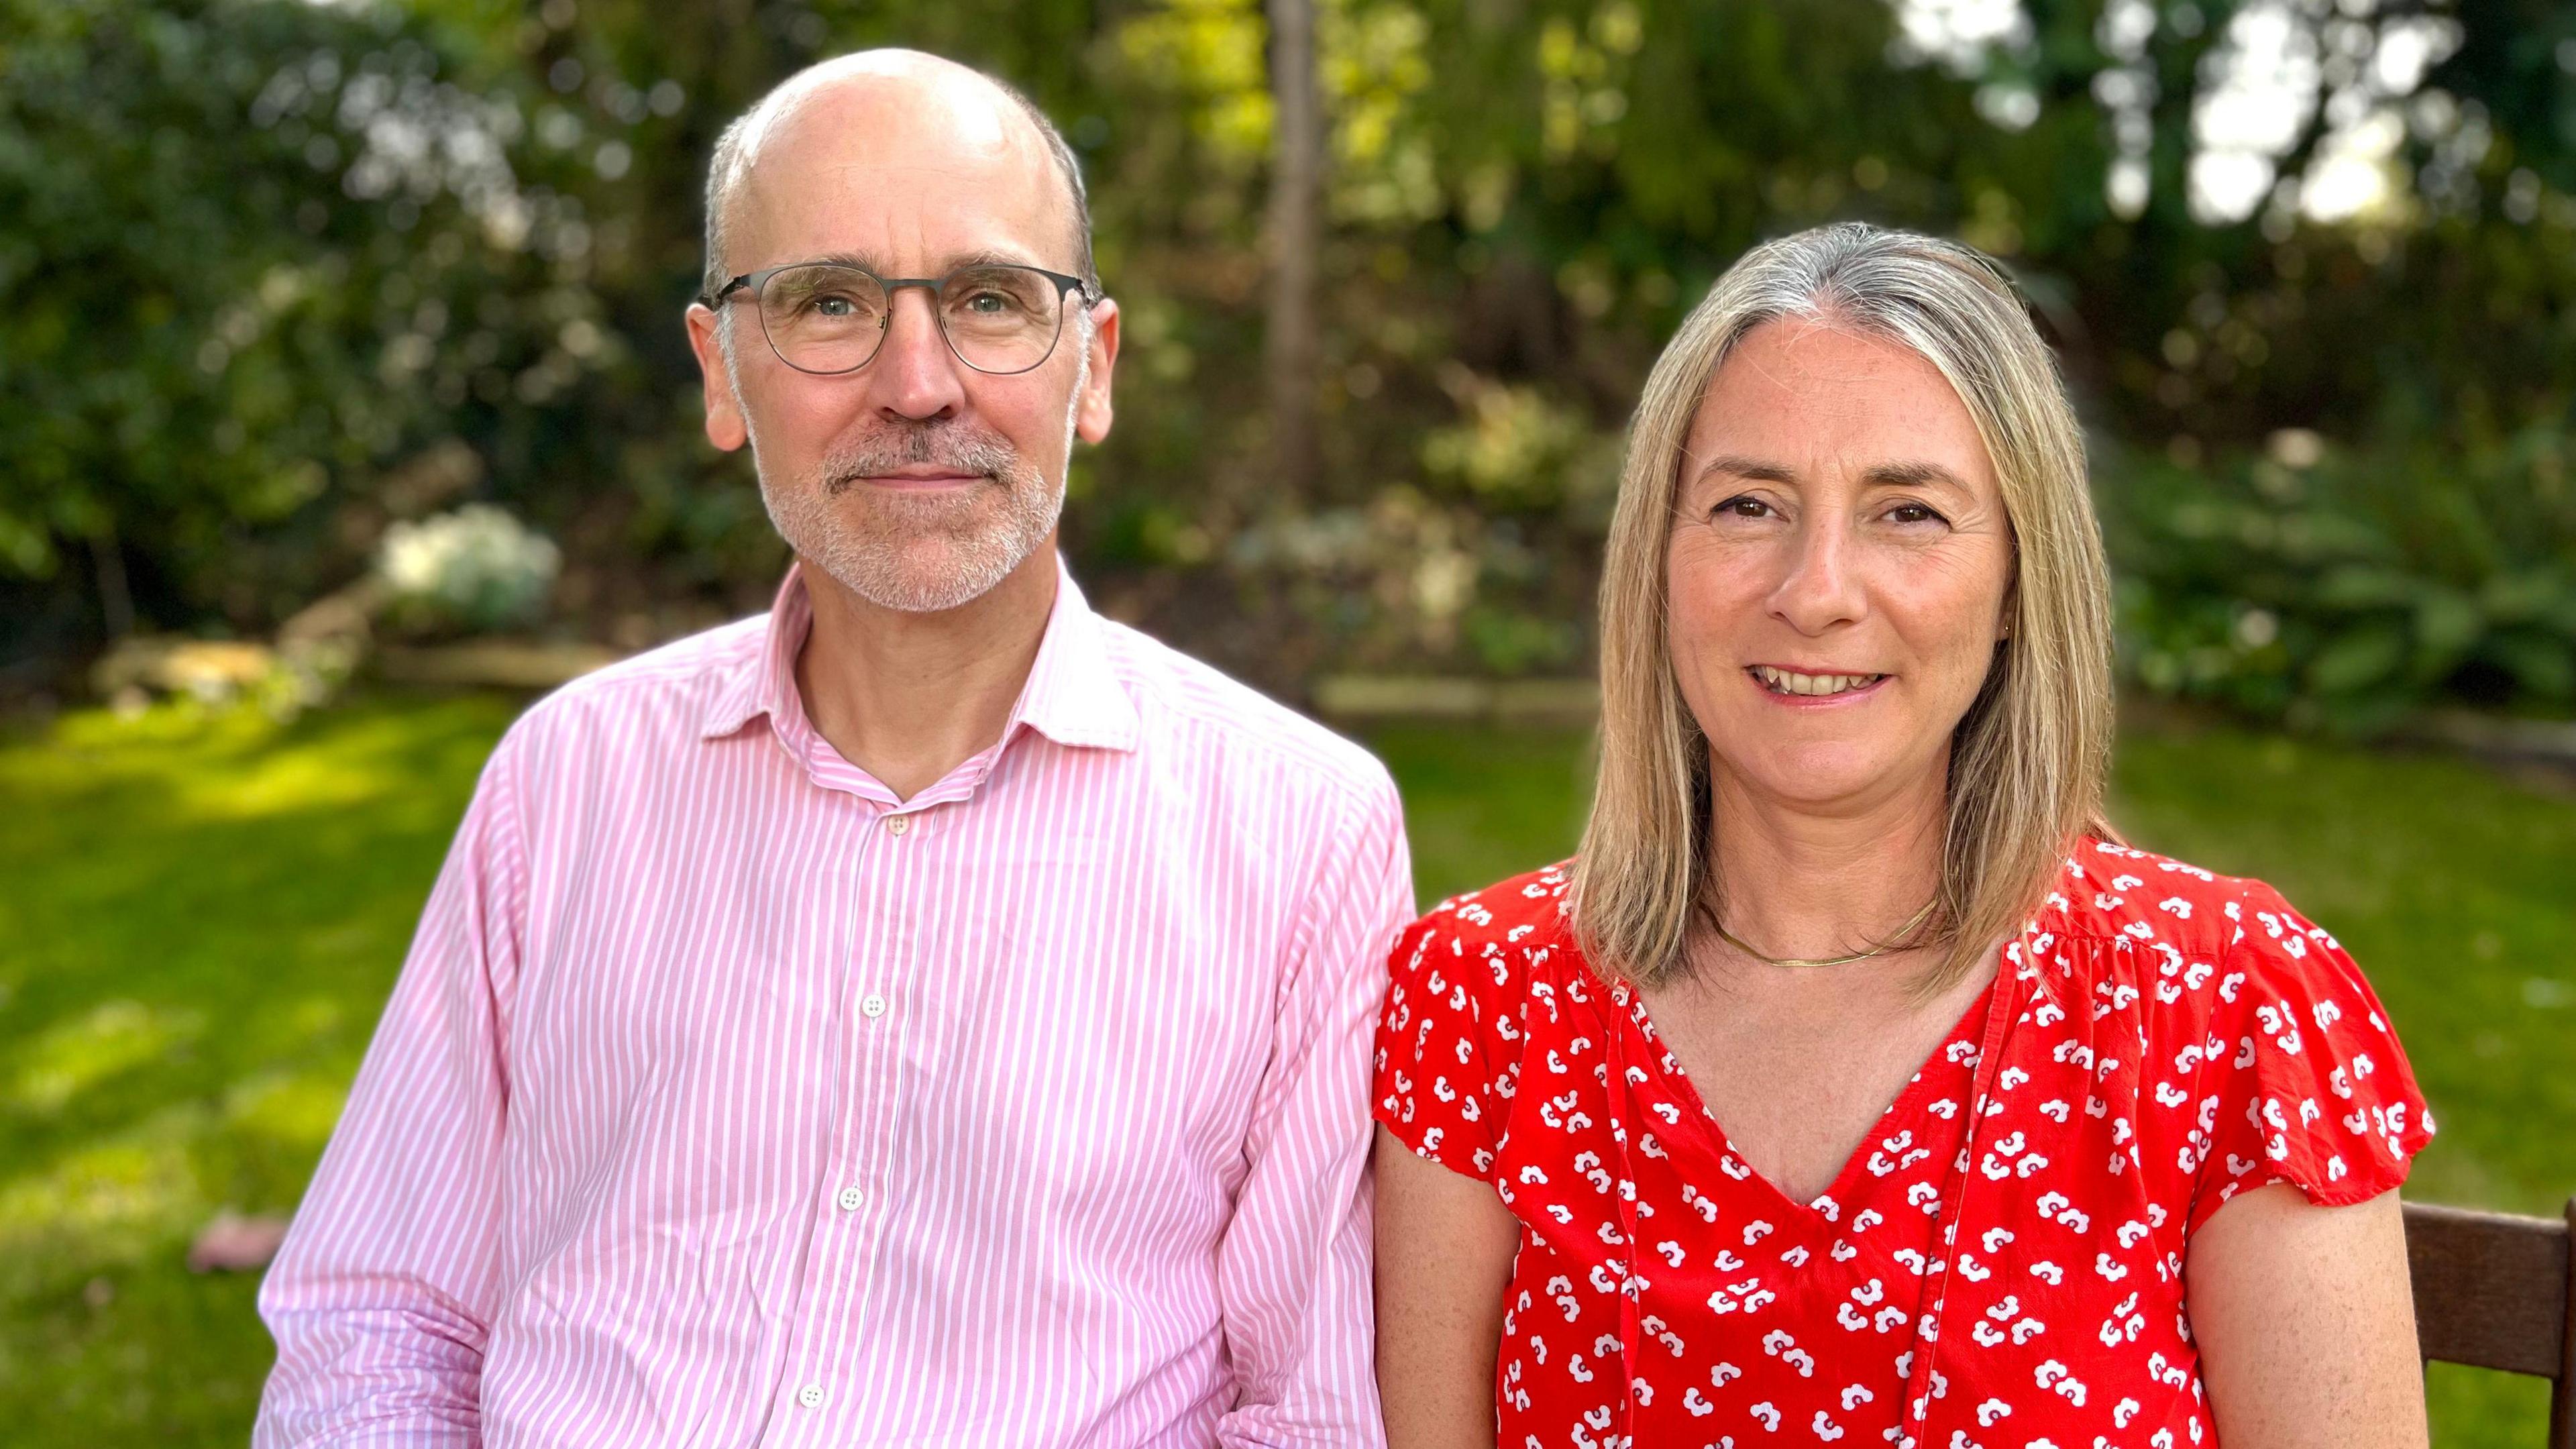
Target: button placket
846 1240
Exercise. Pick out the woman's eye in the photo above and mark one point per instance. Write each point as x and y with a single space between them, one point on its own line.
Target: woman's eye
1742 505
1914 513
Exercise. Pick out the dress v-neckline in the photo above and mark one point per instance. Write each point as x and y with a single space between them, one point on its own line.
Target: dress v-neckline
1973 1025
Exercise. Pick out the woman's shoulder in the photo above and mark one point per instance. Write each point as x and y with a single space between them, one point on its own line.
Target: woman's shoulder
1483 953
2251 1047
1516 916
2185 955
1450 1037
2243 1003
2119 892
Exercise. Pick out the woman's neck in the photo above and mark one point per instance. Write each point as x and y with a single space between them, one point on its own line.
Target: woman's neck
1801 880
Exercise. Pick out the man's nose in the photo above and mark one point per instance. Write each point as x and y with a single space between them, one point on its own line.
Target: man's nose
915 374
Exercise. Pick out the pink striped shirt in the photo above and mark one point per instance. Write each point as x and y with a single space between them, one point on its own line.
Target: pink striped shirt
726 1100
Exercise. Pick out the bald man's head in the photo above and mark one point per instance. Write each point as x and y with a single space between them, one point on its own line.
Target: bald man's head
738 149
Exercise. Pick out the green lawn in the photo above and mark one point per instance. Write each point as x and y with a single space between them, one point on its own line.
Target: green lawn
203 914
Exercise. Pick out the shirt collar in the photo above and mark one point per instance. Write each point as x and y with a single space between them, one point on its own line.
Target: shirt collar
1073 696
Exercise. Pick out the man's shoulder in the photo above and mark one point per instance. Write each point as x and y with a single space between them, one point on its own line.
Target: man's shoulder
1247 733
665 695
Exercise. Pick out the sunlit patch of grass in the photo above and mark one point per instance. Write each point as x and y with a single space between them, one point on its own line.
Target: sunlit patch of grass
204 911
103 1205
293 1109
115 1036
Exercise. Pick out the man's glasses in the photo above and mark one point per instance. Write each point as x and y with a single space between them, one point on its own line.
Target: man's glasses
831 317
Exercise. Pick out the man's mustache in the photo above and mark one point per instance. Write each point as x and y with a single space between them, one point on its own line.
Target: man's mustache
954 447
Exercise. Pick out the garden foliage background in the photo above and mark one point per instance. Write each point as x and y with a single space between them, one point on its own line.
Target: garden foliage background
275 274
301 300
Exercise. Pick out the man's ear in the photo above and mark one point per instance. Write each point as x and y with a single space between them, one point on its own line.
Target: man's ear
726 427
1092 416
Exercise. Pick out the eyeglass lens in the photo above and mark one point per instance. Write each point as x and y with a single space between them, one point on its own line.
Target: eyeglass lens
831 318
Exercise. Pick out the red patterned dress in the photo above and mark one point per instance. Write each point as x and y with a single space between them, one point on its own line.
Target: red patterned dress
1998 1266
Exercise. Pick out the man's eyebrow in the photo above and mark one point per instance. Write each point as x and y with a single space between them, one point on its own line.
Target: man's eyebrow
841 259
990 257
981 257
1915 474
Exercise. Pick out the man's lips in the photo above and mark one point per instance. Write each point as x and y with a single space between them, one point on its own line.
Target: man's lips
919 478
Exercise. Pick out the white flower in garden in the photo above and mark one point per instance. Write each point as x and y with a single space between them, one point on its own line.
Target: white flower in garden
476 566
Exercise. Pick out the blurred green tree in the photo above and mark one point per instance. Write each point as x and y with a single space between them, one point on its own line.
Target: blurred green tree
2259 230
259 257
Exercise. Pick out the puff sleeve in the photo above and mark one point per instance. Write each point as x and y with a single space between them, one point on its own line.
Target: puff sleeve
1447 1041
2309 1083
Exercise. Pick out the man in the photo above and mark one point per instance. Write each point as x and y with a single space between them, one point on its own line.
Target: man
927 1014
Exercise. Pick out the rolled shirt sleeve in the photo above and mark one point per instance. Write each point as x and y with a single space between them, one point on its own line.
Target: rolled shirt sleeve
1294 1267
381 1297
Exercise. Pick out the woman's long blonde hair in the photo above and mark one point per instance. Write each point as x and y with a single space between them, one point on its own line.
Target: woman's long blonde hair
2028 758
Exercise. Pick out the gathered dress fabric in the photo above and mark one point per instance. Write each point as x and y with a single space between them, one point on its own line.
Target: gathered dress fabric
1999 1265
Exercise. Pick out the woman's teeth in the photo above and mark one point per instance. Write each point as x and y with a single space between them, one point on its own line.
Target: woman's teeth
1781 681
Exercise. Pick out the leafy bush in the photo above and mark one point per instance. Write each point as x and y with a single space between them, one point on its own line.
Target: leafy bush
259 260
474 569
2344 590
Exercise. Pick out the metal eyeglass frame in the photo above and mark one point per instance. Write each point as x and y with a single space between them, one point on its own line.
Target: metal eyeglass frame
755 281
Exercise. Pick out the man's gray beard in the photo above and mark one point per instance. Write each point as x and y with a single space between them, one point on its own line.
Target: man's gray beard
917 552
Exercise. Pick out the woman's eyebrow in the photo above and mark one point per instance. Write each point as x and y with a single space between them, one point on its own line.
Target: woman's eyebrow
1914 475
1752 468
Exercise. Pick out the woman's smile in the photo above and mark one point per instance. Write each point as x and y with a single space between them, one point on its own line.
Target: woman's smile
1807 688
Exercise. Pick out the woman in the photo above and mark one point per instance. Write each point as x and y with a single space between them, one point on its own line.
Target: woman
1854 1082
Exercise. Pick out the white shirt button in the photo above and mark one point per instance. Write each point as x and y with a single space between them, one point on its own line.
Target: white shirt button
850 1198
872 1006
898 824
811 1396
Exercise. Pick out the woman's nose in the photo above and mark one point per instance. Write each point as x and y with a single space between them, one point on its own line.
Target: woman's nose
1818 587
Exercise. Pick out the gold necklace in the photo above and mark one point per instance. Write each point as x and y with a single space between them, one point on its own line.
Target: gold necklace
1889 944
